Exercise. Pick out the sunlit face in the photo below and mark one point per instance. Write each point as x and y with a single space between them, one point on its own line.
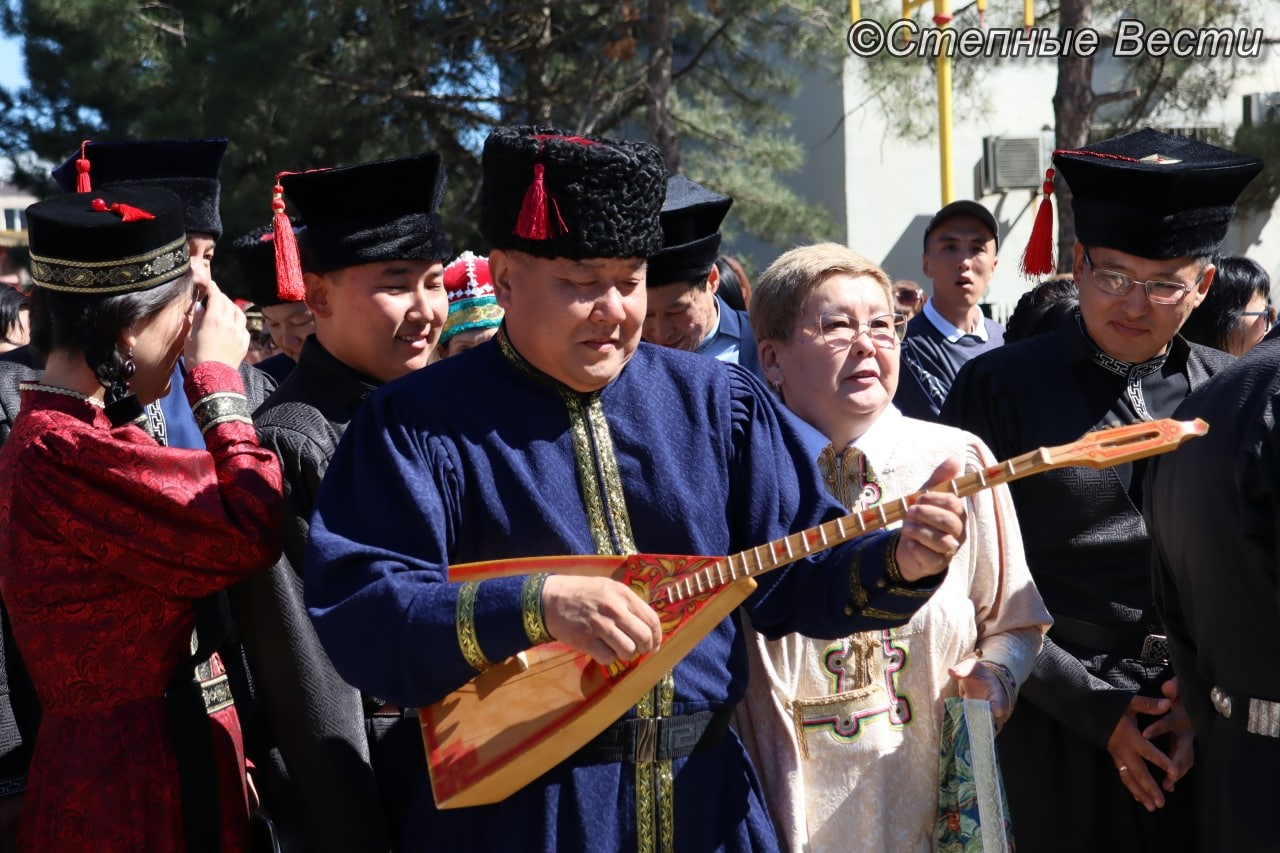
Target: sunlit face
382 319
290 323
839 390
157 341
577 321
959 258
463 341
1131 328
681 315
200 246
1251 327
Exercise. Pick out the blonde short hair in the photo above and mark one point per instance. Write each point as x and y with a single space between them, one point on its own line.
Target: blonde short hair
778 296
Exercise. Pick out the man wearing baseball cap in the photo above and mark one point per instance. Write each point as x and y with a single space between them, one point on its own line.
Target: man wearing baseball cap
960 245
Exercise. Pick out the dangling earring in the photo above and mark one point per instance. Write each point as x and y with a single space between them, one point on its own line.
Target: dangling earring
129 368
122 407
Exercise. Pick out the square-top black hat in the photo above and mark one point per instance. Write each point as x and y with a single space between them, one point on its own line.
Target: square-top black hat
691 217
188 167
554 195
381 211
113 240
255 252
1154 195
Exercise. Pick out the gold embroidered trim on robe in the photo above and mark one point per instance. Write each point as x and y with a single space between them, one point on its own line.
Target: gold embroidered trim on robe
535 626
465 619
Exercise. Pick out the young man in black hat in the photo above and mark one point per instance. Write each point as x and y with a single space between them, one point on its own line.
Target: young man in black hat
373 249
567 435
960 245
288 320
684 311
1091 758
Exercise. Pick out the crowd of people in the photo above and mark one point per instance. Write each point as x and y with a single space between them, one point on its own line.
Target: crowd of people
229 568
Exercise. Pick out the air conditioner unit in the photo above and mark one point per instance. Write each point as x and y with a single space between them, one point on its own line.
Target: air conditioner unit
1015 162
1261 107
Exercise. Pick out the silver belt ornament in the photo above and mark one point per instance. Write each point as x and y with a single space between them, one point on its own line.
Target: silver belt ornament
1264 715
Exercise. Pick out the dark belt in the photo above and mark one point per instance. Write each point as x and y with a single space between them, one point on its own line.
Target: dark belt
644 740
1126 641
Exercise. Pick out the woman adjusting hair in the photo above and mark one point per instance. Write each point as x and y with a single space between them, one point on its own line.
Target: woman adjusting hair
111 537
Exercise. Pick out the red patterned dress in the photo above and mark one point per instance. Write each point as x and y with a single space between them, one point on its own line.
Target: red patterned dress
110 537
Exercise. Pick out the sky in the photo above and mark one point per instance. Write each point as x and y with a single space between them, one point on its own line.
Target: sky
12 73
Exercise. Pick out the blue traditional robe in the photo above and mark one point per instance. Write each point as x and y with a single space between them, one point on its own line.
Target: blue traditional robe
482 457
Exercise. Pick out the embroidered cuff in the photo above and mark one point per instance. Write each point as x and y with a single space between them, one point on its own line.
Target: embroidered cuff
898 585
535 626
889 601
891 569
465 620
220 407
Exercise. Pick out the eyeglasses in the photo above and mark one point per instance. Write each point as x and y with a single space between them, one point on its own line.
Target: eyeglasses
1268 312
839 331
1159 292
907 295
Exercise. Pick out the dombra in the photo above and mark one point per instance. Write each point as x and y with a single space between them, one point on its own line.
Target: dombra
517 720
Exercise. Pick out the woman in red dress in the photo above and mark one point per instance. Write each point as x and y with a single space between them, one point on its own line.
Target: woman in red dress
111 536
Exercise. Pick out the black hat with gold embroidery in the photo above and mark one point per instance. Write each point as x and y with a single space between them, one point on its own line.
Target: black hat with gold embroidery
187 167
691 217
552 194
114 240
1154 195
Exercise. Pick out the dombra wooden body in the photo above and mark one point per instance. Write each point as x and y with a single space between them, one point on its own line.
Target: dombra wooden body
517 720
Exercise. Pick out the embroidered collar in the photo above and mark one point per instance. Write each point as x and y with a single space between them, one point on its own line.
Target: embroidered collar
1124 369
520 363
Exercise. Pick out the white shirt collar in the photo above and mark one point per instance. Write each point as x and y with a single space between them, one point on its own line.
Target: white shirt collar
876 443
950 332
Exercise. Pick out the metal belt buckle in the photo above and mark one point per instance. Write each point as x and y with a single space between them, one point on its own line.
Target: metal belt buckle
647 739
1155 649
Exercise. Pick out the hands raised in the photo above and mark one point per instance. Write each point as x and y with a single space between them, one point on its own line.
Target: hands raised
218 332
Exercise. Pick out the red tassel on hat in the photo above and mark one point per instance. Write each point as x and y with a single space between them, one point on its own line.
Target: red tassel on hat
289 285
82 171
1037 260
126 212
534 221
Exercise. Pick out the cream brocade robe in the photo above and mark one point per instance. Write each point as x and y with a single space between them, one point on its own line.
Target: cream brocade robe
845 734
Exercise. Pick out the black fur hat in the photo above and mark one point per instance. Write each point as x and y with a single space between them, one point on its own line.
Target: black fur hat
188 167
554 195
381 211
691 218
